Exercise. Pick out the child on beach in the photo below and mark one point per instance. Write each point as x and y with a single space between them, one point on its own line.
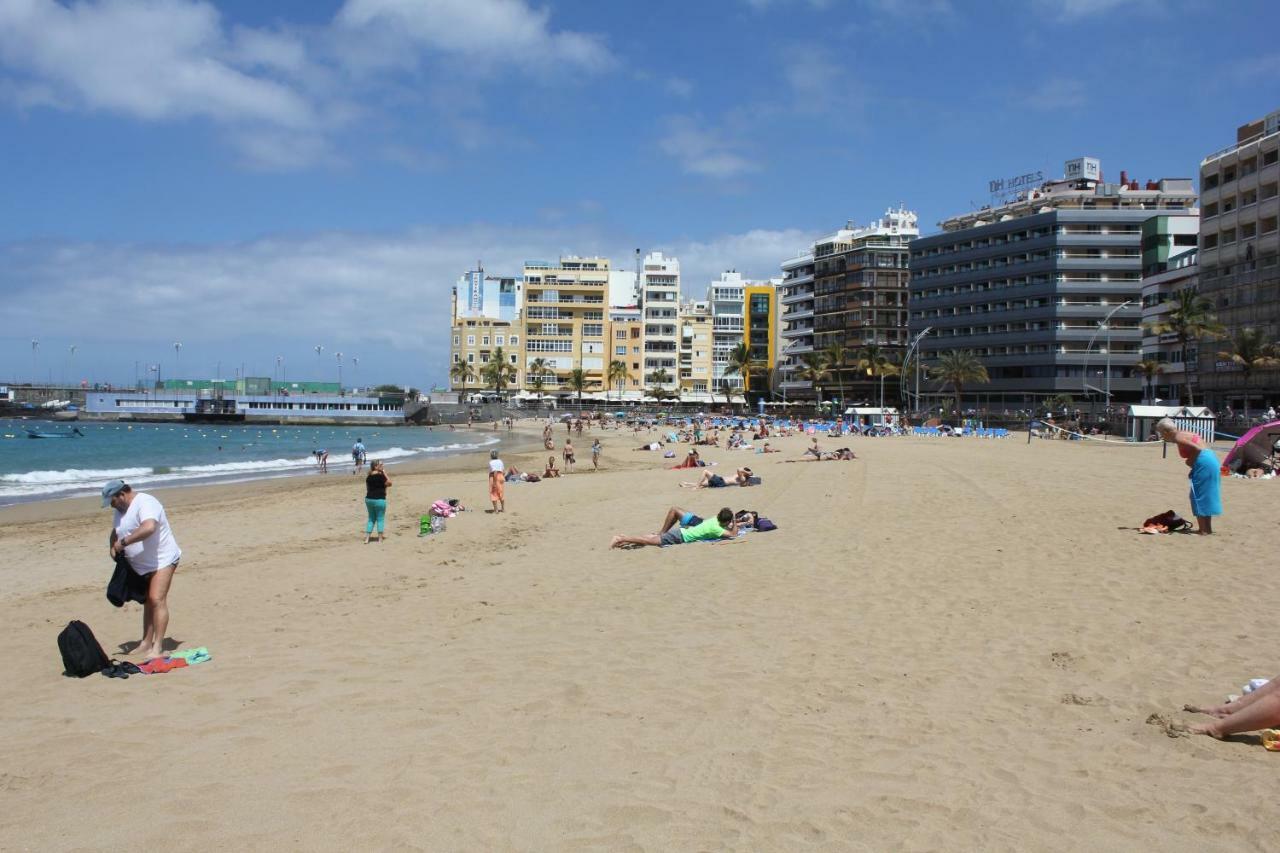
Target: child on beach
595 455
497 482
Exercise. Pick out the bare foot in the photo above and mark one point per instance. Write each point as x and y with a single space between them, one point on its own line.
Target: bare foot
615 542
1210 729
146 652
1216 711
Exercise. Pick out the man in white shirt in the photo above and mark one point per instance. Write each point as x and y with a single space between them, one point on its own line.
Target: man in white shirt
140 530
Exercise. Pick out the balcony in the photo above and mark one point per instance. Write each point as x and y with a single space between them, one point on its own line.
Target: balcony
797 296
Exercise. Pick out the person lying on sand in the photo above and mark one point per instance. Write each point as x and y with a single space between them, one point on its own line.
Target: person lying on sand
653 445
743 477
1251 712
722 526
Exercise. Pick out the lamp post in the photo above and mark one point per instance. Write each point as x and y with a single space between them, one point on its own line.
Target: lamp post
1103 325
339 355
72 349
177 358
913 350
355 369
35 345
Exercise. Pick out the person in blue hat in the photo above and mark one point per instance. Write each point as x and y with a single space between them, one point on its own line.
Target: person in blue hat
140 530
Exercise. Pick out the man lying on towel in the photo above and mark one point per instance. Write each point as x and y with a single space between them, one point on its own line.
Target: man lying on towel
723 526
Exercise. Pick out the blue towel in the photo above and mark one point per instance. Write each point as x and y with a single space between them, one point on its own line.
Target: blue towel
1206 485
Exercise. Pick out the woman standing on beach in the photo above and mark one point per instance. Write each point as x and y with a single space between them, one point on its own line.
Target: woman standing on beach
1206 482
497 482
375 500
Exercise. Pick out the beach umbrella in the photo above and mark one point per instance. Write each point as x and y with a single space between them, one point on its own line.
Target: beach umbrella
1262 438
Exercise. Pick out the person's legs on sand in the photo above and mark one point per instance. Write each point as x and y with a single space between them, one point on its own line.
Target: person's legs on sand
156 613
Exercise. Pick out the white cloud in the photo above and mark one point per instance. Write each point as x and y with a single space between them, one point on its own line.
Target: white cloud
488 32
381 297
703 151
280 96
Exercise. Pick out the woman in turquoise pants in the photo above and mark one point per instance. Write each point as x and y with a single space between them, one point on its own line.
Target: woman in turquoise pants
375 500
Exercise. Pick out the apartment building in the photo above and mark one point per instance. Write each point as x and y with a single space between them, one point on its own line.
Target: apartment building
695 324
483 294
860 291
1169 266
564 320
477 340
660 302
760 332
1239 247
795 296
727 298
626 335
1032 285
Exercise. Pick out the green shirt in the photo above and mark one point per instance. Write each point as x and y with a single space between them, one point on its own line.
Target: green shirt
709 529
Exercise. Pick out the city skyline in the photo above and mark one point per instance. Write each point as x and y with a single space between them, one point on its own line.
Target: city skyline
336 166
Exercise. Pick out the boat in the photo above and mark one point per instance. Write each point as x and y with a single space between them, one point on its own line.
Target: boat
70 413
75 433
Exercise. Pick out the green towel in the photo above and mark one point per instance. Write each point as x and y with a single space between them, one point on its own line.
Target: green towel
193 656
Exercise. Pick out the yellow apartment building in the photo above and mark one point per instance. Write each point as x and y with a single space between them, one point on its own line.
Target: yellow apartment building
565 323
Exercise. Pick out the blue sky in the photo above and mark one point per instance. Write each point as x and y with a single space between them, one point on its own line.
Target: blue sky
254 179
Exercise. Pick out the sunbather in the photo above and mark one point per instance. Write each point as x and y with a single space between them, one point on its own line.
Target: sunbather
1251 712
743 477
551 470
723 526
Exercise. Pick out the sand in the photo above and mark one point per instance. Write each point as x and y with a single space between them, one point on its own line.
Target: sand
947 644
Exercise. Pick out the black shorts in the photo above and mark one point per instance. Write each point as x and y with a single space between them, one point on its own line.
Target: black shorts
715 481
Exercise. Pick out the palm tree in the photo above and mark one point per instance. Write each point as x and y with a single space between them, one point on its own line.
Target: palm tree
577 381
498 373
1252 351
1148 369
618 375
835 357
741 364
660 376
958 368
462 372
657 392
536 375
876 362
813 372
1190 319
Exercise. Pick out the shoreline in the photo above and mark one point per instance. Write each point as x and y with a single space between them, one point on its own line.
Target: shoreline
181 493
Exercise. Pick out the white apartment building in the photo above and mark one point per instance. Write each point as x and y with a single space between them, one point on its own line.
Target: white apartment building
660 302
796 318
727 297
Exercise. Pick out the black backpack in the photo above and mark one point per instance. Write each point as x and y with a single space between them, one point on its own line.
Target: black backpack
82 655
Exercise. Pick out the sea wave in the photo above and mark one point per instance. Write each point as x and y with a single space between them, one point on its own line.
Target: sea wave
73 481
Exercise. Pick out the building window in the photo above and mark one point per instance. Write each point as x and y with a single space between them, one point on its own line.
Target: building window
455 340
592 330
471 340
484 341
471 358
498 340
514 340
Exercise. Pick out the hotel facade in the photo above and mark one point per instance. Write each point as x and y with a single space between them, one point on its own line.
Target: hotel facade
1036 286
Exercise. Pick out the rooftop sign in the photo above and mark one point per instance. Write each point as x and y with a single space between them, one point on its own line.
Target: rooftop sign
1004 188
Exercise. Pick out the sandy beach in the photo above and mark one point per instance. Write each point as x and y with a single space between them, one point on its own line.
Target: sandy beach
946 644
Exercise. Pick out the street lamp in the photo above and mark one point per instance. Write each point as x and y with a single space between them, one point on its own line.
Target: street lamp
339 355
177 358
35 345
355 370
1103 325
72 348
912 350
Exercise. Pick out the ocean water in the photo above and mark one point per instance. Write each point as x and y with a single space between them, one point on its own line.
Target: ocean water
190 454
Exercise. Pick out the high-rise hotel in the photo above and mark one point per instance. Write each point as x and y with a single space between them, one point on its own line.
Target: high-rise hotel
1240 254
1035 287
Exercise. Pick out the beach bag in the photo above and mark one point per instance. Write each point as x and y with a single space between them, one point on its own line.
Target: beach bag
763 524
82 655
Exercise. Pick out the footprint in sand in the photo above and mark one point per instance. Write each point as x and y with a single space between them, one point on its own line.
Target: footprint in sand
1076 699
1063 660
1168 726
